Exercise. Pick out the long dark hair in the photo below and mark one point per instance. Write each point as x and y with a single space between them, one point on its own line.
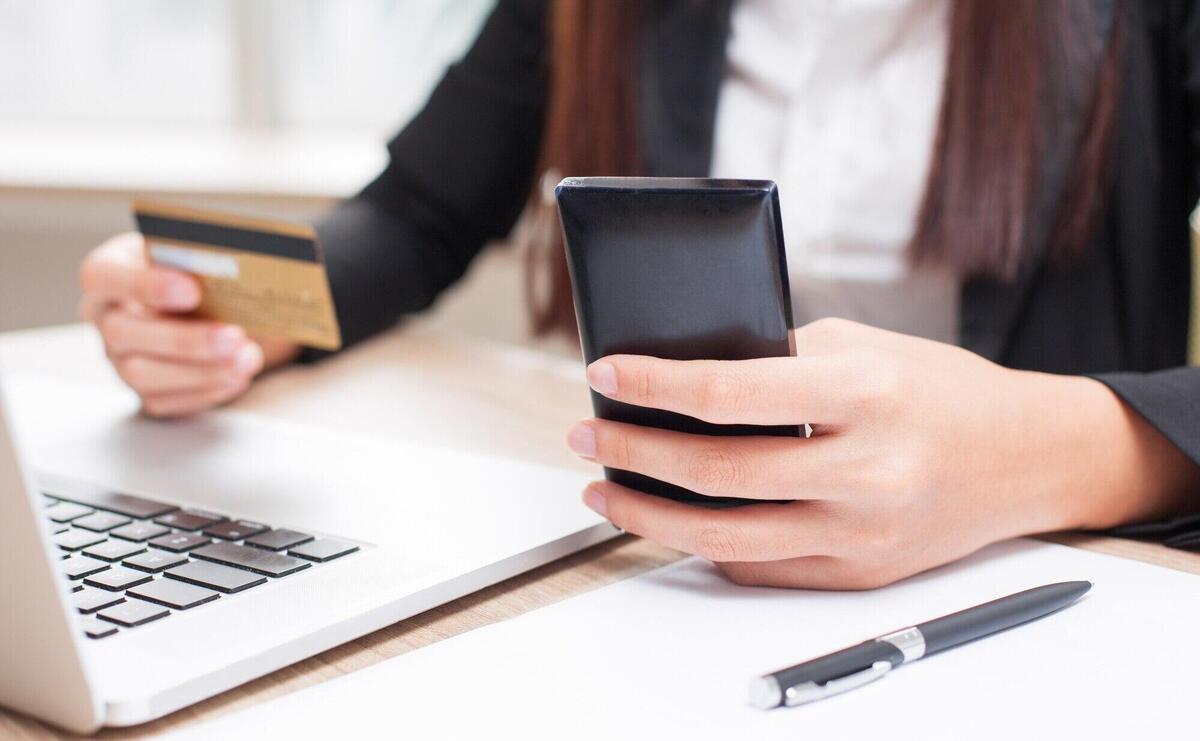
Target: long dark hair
1004 62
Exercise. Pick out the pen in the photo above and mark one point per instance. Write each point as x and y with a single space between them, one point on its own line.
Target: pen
858 665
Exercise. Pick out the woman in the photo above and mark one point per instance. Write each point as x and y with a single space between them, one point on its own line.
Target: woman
1011 178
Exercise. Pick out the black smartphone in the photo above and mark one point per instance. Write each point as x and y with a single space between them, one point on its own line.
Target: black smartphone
678 268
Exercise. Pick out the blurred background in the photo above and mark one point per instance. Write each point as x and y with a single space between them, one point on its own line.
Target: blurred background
266 107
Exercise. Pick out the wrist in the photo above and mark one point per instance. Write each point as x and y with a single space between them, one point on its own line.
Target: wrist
1102 464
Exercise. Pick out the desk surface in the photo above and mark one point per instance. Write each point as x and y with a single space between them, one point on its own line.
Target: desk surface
455 392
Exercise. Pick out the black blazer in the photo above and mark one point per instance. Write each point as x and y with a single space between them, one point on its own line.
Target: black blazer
460 172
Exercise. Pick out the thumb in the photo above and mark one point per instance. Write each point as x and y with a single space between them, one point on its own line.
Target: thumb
117 271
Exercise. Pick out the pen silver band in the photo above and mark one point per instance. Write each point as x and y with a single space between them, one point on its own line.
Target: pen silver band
910 642
766 692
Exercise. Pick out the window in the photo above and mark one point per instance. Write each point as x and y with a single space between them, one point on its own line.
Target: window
360 66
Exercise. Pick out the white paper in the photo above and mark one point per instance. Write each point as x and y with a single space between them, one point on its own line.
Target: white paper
668 655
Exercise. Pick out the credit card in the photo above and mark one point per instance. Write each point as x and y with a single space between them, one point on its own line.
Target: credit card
265 276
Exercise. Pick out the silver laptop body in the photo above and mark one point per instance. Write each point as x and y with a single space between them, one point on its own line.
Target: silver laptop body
418 526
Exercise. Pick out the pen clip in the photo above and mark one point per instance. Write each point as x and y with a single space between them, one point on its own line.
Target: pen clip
811 691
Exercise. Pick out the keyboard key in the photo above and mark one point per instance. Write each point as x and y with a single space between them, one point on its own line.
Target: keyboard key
113 550
235 530
251 559
277 540
117 579
56 528
173 593
122 504
101 521
90 600
155 561
73 540
189 519
139 531
179 542
133 613
215 576
325 549
67 511
77 567
48 500
94 628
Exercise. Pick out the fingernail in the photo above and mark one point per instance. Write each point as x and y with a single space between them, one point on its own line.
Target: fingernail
582 440
180 293
603 377
249 359
594 499
226 340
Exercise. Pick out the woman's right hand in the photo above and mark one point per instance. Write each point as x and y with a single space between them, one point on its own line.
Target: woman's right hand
177 364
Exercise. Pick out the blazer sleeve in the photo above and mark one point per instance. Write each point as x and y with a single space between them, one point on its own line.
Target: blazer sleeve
457 177
1170 399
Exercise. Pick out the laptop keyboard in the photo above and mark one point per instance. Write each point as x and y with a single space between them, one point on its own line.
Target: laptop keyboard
132 561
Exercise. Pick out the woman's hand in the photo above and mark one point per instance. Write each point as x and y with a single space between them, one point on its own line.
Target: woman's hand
922 453
176 364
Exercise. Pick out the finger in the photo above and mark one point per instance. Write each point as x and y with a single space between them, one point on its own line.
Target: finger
168 338
830 335
150 376
811 572
178 405
763 391
91 308
821 337
747 467
277 352
117 271
755 532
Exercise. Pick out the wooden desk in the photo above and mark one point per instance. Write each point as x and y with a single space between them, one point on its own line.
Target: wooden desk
471 395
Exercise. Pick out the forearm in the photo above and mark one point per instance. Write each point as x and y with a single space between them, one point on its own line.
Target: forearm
458 176
381 267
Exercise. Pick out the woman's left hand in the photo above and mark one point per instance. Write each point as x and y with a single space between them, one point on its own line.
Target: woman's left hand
921 453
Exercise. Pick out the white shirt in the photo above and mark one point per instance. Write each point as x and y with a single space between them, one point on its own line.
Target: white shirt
837 102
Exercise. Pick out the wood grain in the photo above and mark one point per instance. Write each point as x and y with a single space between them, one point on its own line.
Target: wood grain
480 390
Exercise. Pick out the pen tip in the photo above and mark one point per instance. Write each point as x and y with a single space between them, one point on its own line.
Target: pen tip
1080 588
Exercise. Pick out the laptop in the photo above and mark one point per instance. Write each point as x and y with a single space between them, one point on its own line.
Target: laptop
175 561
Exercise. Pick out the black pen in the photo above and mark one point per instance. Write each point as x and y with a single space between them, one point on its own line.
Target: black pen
855 666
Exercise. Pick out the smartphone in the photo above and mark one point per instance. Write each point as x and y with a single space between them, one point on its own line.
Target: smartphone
678 268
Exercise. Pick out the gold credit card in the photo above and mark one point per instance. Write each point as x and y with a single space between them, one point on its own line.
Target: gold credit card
266 276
